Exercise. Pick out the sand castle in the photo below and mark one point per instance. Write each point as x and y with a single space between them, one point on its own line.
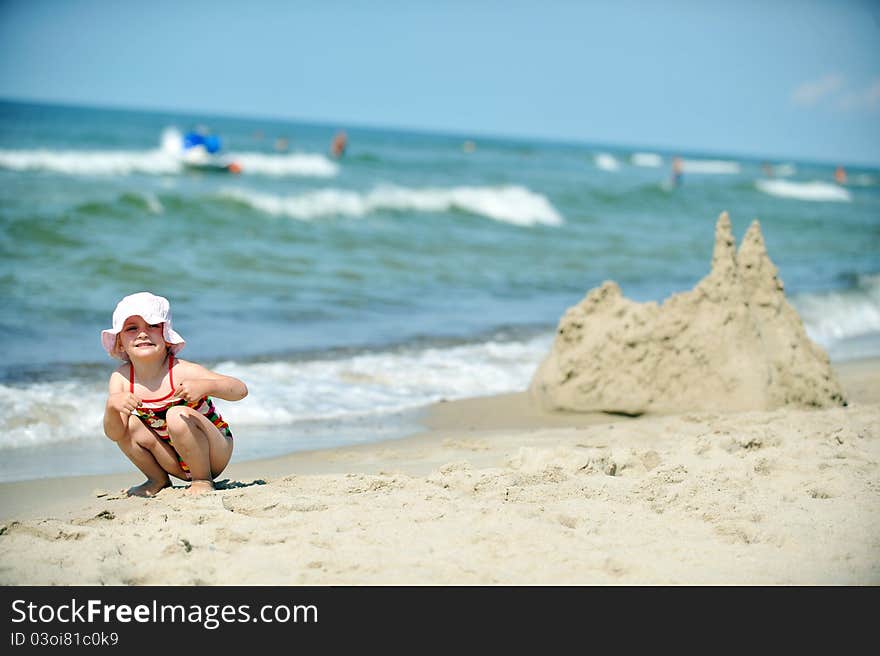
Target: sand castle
732 343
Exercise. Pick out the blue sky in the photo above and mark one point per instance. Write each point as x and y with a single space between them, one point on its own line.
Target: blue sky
774 79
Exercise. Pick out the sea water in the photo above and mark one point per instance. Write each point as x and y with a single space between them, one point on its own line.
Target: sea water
350 292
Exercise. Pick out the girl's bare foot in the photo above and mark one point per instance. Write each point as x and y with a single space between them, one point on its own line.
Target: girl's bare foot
149 488
200 486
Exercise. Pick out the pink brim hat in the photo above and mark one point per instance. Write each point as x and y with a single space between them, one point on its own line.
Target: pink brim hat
152 309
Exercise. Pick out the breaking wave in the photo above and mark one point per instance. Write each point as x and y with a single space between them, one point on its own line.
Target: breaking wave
514 205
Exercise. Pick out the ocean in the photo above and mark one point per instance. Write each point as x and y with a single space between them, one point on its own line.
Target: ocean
349 293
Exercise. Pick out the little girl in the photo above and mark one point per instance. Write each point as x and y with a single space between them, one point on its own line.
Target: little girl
159 409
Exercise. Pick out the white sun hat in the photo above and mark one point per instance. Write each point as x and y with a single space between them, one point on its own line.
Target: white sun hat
152 309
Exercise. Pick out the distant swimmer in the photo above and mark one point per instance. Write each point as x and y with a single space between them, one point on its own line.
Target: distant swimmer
340 141
677 170
840 175
469 146
281 144
767 168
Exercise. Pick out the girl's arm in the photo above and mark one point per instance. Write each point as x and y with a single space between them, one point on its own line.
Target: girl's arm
120 403
195 381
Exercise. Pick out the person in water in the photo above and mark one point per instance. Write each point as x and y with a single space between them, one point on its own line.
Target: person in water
339 144
159 409
677 171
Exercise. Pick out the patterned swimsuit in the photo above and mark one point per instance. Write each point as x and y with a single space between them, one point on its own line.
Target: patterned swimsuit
152 411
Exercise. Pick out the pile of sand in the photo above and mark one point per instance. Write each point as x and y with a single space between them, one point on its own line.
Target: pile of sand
732 343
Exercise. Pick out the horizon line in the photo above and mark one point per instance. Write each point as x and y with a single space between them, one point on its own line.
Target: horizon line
440 132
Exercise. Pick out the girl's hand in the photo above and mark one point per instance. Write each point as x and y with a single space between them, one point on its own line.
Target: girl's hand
124 402
192 390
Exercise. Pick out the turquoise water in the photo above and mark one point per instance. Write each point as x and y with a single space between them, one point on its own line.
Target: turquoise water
349 292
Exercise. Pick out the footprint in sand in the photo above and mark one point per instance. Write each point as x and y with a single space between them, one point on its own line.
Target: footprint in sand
568 521
263 507
614 567
100 518
820 493
467 445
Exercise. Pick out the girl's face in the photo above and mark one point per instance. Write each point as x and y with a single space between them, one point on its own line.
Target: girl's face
139 339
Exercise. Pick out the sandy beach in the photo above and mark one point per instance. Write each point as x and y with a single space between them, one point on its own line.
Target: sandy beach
495 491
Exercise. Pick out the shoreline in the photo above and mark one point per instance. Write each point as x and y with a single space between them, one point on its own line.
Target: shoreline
493 491
443 420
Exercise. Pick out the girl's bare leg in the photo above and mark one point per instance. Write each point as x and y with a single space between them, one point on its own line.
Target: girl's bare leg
152 456
201 445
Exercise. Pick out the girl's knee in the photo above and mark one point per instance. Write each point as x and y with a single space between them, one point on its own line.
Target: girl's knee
179 419
139 434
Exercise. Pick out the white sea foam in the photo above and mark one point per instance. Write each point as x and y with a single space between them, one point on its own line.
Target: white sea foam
833 316
816 190
171 141
380 383
652 160
607 162
91 162
287 393
293 164
710 166
44 413
168 159
158 162
515 205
